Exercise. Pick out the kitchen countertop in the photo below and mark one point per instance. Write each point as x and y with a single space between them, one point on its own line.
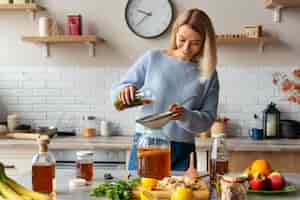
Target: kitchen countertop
124 143
64 175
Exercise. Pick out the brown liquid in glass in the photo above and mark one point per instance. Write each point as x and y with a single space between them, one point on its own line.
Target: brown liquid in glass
154 163
43 178
217 167
85 171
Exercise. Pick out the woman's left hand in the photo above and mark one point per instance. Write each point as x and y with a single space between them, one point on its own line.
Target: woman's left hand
178 111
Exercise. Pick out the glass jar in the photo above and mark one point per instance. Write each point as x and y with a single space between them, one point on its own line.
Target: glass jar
142 97
89 126
43 168
234 187
85 165
219 157
154 155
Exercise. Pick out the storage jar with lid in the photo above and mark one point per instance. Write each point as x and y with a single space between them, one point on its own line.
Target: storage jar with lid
85 165
154 154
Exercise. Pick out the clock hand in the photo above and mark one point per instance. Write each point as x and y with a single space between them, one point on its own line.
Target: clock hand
144 12
142 20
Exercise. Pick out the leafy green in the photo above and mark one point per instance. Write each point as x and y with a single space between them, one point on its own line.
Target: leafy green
116 190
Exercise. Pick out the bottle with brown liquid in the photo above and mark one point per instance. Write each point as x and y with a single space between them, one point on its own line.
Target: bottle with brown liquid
154 155
43 168
219 157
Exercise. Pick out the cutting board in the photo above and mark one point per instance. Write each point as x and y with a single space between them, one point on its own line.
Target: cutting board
202 194
23 136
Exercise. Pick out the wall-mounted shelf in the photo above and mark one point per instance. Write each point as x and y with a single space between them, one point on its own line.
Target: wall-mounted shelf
278 5
29 7
91 40
239 39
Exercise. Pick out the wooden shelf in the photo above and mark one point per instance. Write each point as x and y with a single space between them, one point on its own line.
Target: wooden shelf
261 41
91 40
278 5
282 3
29 7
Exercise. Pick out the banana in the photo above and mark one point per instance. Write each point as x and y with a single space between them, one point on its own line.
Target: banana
8 193
24 191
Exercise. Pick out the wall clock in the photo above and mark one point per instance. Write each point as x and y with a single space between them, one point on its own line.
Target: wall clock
149 18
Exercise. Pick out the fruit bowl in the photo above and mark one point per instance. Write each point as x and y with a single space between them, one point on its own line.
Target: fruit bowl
287 189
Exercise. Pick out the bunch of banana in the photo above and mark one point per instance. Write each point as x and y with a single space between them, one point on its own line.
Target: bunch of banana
11 190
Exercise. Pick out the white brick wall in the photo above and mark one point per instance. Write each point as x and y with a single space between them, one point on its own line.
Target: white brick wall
61 95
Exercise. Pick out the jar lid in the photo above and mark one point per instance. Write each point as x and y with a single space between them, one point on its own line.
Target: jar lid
234 178
84 153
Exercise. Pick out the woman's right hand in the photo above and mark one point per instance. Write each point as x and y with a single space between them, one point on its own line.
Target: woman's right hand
127 95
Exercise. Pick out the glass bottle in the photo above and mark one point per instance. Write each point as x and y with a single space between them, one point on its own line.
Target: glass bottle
43 168
219 157
85 165
142 97
154 155
271 121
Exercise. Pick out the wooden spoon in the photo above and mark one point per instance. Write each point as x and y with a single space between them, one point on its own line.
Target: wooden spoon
191 171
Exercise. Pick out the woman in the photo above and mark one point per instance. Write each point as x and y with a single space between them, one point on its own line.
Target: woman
187 68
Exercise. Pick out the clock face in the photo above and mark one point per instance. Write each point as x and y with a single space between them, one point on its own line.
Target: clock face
148 18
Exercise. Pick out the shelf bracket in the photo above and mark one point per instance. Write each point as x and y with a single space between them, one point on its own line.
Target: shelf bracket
277 14
261 46
92 49
46 50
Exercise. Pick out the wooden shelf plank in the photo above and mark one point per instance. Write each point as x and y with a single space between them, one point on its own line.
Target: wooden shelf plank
62 39
32 7
91 40
282 3
223 40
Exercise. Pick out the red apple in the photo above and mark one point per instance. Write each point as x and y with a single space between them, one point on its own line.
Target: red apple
258 182
277 181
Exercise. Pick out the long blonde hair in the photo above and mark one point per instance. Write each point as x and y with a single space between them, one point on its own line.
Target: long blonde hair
199 21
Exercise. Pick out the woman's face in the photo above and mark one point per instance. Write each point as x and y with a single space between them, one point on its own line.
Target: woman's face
188 42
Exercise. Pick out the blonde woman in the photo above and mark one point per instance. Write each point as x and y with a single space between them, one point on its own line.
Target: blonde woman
187 68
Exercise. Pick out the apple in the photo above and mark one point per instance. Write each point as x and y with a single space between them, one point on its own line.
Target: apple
277 181
258 182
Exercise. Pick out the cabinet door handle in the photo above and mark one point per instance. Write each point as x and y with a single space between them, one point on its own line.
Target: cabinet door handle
9 166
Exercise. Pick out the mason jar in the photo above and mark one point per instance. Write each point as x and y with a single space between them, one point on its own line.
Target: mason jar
154 150
85 165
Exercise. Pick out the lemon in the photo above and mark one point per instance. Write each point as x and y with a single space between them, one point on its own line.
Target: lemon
182 193
149 183
144 195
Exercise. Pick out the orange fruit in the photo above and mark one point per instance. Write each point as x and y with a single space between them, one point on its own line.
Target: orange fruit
261 166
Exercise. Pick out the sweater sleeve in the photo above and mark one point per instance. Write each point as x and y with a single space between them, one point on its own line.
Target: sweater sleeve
134 77
196 121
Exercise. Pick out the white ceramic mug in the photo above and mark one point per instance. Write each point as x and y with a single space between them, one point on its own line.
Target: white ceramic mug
45 24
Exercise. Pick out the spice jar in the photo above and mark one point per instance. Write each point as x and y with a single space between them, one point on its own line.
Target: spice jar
234 188
89 124
85 165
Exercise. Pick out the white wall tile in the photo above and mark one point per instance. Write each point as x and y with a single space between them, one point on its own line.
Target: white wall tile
48 94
